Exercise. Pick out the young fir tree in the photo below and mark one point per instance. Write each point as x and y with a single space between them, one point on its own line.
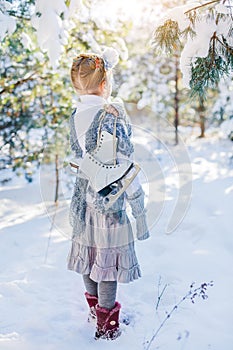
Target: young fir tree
34 99
204 34
37 100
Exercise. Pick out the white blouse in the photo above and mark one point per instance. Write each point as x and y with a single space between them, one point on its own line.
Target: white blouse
87 107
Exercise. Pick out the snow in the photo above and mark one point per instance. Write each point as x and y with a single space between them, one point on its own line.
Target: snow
221 8
223 27
75 5
42 303
227 127
205 26
7 22
26 41
49 17
196 47
177 14
89 38
223 107
121 47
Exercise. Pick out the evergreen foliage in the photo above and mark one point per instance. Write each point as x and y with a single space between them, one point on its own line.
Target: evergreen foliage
36 101
167 36
206 72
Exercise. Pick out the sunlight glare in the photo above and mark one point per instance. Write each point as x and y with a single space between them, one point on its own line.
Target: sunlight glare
130 9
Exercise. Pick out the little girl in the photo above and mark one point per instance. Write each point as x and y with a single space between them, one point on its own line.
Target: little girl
102 241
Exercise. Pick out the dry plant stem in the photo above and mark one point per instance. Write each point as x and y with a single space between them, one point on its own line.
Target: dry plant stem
160 296
200 291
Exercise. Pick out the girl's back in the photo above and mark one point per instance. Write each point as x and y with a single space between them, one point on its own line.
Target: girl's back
102 240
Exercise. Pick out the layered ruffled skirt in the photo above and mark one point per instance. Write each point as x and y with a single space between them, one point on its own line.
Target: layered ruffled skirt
105 248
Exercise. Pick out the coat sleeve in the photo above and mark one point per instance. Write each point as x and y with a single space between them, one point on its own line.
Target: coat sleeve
74 144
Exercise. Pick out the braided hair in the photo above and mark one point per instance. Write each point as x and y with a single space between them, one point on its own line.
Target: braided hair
87 73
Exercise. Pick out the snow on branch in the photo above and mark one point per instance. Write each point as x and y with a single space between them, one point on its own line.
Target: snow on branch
7 22
47 20
203 34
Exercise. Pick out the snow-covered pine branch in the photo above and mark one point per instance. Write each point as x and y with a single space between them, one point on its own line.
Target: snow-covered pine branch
48 14
48 19
203 34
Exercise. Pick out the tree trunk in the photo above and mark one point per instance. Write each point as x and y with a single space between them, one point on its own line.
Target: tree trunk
176 99
201 111
202 124
57 178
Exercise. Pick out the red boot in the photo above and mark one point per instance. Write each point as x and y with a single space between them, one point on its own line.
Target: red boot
92 301
108 322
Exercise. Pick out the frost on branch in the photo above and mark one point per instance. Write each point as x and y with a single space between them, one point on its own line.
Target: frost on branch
49 26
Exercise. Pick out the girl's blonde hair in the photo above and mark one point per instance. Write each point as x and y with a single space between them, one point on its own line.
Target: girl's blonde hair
87 73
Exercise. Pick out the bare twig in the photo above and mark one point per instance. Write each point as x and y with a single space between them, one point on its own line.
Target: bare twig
19 82
160 294
203 5
192 294
18 16
228 48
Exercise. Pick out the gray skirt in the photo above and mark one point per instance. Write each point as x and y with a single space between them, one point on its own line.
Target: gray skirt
105 249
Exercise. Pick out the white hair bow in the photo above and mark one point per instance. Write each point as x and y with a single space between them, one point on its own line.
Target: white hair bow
110 57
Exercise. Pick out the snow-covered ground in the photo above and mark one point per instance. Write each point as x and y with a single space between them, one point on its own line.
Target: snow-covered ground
42 304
